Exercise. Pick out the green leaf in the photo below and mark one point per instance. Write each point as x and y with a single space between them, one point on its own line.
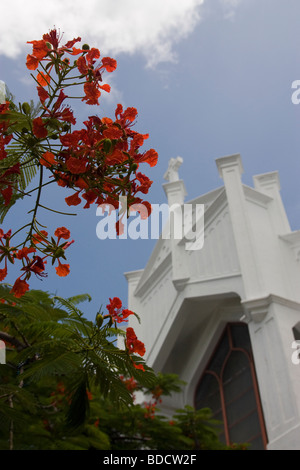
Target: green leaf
79 406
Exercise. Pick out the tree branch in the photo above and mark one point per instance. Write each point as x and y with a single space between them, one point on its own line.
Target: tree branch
12 340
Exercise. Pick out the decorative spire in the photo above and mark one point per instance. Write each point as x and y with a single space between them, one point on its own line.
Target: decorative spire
171 174
174 188
2 92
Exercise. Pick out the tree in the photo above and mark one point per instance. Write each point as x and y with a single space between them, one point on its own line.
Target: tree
98 164
65 385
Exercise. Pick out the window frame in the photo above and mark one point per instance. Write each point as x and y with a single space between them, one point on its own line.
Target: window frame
220 378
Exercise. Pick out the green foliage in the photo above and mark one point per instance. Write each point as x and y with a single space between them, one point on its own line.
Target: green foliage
50 342
24 151
67 386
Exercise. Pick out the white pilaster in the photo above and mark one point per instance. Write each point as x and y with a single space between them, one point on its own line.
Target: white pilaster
176 192
230 169
268 183
271 320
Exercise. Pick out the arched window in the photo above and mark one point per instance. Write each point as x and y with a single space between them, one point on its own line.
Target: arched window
229 388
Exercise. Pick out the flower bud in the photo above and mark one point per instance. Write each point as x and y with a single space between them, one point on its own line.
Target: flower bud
85 47
26 108
30 141
66 127
99 320
107 145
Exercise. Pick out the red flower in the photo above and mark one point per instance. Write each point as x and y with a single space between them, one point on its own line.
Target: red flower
150 157
90 197
39 129
73 200
24 252
114 309
92 54
54 39
116 157
130 384
19 288
7 179
35 266
133 344
127 117
48 159
43 79
145 183
62 232
113 132
7 195
87 68
62 270
109 64
3 273
43 94
39 237
4 107
92 93
82 65
59 112
39 48
76 166
32 62
39 51
71 140
139 366
115 303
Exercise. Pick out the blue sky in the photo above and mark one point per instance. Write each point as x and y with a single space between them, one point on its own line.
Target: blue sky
208 78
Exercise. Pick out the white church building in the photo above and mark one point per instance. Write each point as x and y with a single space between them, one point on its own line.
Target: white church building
225 316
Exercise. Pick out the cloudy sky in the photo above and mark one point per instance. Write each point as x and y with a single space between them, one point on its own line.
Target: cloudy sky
209 78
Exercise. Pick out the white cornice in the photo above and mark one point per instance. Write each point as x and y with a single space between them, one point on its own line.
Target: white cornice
293 239
257 309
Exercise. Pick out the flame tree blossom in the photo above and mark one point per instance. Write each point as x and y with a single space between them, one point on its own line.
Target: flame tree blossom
97 162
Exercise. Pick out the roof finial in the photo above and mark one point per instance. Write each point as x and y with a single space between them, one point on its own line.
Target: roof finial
171 174
2 92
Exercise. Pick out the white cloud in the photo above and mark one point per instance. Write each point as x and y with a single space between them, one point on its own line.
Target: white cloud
148 27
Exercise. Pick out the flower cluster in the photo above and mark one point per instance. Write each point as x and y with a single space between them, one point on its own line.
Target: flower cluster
130 383
98 163
47 53
116 313
32 263
134 345
151 406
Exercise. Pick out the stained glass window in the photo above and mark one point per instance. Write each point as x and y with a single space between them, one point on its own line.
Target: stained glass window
229 388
